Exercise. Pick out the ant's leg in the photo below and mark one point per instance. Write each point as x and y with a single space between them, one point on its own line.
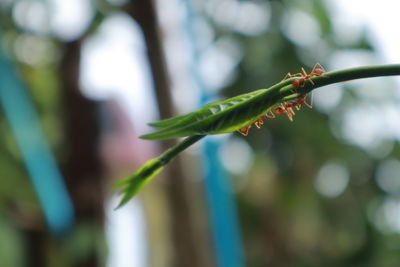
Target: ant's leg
290 116
242 133
318 70
304 72
258 123
299 74
289 75
245 130
311 101
304 101
300 101
307 78
289 112
270 115
318 66
302 82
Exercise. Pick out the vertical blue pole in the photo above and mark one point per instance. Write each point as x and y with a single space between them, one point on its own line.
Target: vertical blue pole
39 161
222 208
221 203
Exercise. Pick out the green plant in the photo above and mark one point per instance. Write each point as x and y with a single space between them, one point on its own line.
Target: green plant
233 114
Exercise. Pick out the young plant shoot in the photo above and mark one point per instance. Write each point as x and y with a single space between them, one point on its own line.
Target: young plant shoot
240 113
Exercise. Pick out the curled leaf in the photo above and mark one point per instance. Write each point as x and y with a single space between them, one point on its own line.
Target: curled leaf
220 117
134 183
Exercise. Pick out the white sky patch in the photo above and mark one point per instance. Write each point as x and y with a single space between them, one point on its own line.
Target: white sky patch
368 126
218 63
384 20
114 66
176 44
346 29
70 18
381 20
126 234
215 60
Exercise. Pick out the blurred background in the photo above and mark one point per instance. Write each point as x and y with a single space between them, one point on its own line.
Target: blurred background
80 79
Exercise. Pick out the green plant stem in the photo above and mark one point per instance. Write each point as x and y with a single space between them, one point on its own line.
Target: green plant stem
133 184
341 76
170 153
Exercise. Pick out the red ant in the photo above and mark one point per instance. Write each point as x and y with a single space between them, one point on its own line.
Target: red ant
245 130
284 108
258 123
260 120
287 108
317 70
297 104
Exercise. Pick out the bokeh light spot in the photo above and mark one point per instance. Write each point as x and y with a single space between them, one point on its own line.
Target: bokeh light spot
388 176
332 179
236 156
301 28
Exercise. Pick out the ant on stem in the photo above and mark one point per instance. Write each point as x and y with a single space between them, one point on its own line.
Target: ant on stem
245 130
287 108
317 70
258 123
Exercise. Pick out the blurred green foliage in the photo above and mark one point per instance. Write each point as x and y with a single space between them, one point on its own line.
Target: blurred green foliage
285 220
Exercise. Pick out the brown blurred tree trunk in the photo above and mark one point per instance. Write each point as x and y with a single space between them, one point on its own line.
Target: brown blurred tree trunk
188 247
35 246
82 168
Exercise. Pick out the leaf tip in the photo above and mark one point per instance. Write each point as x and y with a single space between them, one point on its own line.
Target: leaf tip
134 183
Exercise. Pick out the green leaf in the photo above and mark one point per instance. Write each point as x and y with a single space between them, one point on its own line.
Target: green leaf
220 117
134 183
170 122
